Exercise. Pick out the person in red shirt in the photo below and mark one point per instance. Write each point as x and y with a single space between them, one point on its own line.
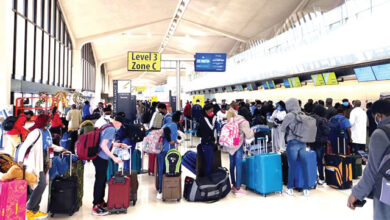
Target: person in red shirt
56 122
18 133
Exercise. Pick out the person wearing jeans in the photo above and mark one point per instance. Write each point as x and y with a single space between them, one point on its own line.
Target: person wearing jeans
295 148
236 162
207 141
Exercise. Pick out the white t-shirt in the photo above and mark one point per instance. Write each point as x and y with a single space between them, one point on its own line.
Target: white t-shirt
358 119
221 117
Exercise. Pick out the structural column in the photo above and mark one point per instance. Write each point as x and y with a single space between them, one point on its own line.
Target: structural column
178 89
77 74
98 85
6 51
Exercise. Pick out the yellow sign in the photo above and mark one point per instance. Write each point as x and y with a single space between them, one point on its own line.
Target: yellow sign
144 61
140 88
153 99
198 97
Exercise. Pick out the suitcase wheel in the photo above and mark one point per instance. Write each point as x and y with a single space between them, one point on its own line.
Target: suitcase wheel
178 200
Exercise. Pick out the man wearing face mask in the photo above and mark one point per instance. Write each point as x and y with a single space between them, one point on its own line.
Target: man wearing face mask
207 143
379 147
348 107
162 108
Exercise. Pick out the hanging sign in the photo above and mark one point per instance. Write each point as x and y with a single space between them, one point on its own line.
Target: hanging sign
144 61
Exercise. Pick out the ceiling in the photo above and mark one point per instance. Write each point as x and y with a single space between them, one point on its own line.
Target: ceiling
224 26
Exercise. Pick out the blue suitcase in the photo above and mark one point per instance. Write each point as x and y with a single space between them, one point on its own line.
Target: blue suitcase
189 161
311 159
265 172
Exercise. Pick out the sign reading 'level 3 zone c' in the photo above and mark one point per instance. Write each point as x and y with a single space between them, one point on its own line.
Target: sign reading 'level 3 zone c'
144 61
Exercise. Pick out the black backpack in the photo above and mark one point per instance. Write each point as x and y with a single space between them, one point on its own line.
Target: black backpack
136 132
9 122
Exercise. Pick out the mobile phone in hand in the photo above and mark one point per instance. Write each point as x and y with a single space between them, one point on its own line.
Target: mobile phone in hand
359 203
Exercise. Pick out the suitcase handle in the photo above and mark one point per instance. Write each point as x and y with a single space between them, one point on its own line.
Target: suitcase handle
70 162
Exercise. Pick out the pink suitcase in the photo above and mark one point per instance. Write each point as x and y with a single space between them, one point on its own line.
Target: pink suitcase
13 198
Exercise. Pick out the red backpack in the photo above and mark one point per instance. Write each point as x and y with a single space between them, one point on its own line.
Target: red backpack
87 145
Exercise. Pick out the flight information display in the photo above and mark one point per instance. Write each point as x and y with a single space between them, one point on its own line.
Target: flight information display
382 72
364 74
318 80
330 78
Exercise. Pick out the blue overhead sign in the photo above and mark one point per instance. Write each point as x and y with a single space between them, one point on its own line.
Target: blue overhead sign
210 62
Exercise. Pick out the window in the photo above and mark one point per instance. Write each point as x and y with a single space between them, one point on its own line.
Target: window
88 68
42 47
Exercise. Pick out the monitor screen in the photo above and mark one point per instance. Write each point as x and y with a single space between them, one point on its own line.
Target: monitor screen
249 87
364 74
382 72
265 85
220 90
271 84
318 80
238 88
287 83
295 82
210 62
229 89
330 78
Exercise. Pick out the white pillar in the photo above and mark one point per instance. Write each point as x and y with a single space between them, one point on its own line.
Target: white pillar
98 85
178 85
77 74
6 51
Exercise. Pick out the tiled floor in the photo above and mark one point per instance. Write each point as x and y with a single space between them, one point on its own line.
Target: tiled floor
323 203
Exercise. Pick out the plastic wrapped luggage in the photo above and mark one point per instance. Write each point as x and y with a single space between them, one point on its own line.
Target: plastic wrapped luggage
13 199
311 160
64 195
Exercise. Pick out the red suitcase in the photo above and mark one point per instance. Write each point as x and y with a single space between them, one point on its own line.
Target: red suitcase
151 162
118 193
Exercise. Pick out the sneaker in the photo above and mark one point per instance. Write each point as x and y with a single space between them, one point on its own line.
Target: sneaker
40 215
98 211
321 182
306 192
241 192
103 205
234 190
159 196
290 192
29 215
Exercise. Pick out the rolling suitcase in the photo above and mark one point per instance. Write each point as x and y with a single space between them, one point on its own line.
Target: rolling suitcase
78 170
13 199
189 161
136 161
118 193
171 188
64 194
311 160
338 169
151 160
265 171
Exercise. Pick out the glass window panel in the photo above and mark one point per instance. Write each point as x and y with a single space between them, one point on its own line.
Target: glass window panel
30 9
39 13
70 68
62 66
57 56
20 5
58 25
51 61
30 52
45 66
38 56
53 18
20 44
47 15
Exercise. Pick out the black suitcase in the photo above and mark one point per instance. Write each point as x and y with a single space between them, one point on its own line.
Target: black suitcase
64 194
338 169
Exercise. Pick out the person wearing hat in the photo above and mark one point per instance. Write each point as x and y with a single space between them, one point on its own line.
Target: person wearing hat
107 136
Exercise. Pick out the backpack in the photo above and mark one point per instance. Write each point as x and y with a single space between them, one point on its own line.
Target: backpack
230 136
209 188
136 133
305 129
9 122
382 183
153 142
173 163
147 116
322 130
87 145
157 122
335 127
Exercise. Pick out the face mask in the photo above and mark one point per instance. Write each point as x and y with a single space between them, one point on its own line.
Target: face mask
278 108
236 108
211 114
377 121
214 103
346 104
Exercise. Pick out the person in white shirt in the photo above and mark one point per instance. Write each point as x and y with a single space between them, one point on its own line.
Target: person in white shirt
358 120
222 116
105 118
279 144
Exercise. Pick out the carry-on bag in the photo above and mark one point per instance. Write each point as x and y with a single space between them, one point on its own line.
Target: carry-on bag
173 163
338 169
118 193
136 160
133 175
78 170
64 195
151 161
171 188
13 199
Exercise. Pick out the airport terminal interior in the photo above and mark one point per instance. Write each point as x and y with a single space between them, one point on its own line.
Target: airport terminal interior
277 109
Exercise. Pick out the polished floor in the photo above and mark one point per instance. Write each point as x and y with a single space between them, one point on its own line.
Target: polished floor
322 203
